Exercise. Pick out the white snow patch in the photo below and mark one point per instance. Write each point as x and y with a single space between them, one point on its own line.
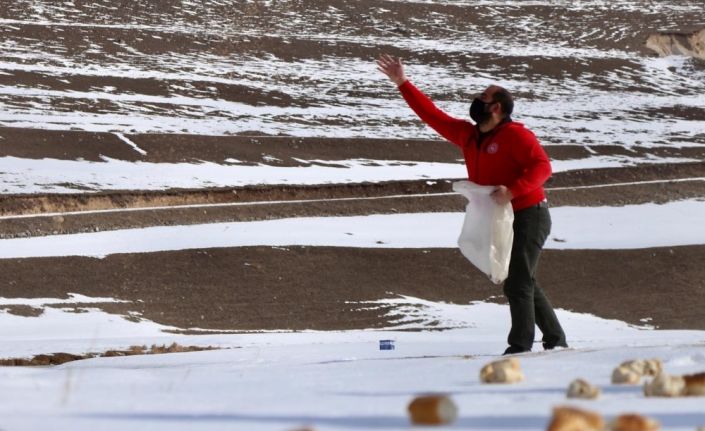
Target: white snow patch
19 175
73 298
134 146
337 380
671 224
65 176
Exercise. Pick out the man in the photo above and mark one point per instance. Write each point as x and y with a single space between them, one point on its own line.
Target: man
502 153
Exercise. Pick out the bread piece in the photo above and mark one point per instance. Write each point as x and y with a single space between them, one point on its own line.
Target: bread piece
573 419
652 367
695 384
630 372
665 385
625 376
634 422
433 410
502 371
580 388
636 365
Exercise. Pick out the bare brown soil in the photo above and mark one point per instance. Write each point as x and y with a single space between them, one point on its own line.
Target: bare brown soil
22 310
287 151
276 150
253 288
62 357
609 195
257 288
610 186
63 145
362 17
161 37
150 86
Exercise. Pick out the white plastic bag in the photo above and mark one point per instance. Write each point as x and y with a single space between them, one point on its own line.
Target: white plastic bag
487 235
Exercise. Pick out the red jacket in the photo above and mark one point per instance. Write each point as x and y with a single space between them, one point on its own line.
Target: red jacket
510 154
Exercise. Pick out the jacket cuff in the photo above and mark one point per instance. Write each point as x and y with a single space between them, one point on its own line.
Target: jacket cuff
515 190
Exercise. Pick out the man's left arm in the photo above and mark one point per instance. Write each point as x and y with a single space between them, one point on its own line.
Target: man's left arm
537 167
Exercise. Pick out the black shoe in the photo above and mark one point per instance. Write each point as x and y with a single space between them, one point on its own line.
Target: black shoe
512 350
547 346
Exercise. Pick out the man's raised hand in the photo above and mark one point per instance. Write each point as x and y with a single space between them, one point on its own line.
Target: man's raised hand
391 67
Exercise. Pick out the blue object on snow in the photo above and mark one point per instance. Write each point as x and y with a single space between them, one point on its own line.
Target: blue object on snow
386 344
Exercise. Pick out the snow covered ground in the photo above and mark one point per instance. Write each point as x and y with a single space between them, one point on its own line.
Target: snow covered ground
613 79
580 80
283 68
670 224
327 380
69 176
334 380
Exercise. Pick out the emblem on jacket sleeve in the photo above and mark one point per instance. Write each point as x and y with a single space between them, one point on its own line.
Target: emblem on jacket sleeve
493 148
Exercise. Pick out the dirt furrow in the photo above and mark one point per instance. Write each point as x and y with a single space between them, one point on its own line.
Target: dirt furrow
43 203
251 288
215 213
276 150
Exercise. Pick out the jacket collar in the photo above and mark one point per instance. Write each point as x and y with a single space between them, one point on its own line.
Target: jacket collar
476 131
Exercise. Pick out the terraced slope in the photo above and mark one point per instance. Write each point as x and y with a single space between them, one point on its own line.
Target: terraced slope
146 114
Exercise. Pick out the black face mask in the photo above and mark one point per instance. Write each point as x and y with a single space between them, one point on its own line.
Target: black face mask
479 111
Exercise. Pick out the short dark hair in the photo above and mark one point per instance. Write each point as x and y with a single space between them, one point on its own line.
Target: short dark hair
505 99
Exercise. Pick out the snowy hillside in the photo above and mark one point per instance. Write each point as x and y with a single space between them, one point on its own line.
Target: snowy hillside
330 380
238 175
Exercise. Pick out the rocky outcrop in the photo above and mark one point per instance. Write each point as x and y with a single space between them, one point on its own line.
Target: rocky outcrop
690 43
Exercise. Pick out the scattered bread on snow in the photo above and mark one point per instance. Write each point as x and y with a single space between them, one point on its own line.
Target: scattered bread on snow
695 384
652 367
665 385
580 388
631 372
432 410
502 371
574 419
634 422
625 376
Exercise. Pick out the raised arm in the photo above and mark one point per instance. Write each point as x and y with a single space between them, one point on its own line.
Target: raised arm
392 67
455 130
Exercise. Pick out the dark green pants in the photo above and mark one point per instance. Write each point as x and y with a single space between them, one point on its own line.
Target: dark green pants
528 304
